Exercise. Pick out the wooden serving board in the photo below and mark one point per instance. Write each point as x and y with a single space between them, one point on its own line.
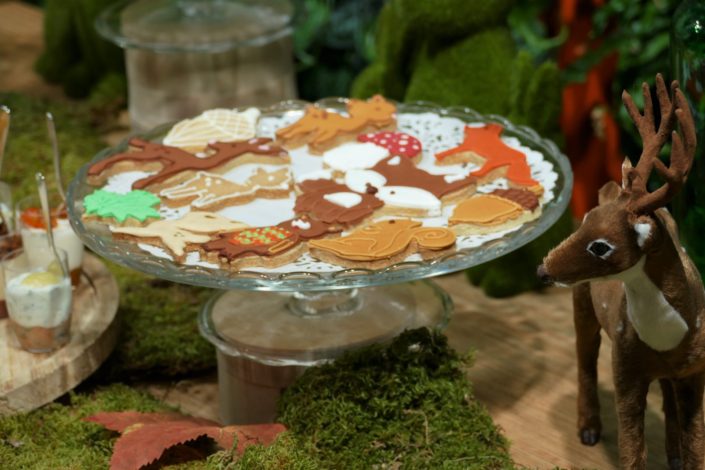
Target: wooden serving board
28 381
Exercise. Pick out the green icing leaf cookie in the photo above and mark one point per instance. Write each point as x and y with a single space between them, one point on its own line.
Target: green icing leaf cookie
136 204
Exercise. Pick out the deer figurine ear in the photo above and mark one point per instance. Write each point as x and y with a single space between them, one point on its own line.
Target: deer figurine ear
626 170
608 192
645 230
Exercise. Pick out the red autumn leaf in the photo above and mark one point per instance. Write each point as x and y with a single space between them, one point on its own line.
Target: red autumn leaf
145 436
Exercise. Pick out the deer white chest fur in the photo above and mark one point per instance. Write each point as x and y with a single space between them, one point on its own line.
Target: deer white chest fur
656 322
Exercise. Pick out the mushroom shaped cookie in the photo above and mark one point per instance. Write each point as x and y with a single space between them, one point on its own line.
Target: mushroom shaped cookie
397 143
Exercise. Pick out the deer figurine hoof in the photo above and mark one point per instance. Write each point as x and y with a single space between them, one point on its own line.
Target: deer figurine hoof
632 279
589 436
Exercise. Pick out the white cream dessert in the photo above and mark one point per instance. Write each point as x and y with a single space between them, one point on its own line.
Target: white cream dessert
39 305
34 241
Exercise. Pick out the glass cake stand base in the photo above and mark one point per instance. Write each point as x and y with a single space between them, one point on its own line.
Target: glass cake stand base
265 340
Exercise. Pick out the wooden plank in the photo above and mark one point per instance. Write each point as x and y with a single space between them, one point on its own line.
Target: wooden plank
28 380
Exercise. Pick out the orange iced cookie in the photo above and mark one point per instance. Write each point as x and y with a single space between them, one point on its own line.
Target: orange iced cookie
500 210
383 243
323 130
483 146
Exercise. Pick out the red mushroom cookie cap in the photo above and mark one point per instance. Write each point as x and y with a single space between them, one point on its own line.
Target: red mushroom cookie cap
398 143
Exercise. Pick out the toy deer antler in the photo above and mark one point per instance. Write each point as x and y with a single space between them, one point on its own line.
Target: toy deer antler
682 150
653 302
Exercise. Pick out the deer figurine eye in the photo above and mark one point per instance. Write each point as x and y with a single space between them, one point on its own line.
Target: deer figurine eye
600 248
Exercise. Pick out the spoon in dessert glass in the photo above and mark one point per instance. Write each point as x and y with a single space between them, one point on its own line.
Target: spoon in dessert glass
4 130
46 212
51 127
5 190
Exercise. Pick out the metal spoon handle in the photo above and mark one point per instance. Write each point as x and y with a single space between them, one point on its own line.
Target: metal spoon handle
4 130
51 127
46 212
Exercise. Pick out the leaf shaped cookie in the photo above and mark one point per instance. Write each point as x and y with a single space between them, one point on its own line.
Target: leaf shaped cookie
222 125
136 204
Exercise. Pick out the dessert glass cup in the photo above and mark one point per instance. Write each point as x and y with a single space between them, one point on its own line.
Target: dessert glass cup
8 243
30 224
38 296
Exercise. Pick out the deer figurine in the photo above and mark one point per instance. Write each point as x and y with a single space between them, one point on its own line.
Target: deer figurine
632 278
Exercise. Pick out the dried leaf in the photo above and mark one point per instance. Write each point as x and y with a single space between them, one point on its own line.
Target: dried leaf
145 436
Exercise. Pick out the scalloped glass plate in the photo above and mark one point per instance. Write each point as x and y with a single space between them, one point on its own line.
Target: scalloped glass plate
307 276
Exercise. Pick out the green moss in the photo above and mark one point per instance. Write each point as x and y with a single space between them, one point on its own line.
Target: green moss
159 334
406 404
54 437
28 146
479 62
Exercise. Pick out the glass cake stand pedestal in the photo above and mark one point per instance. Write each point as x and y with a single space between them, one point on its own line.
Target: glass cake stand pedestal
268 326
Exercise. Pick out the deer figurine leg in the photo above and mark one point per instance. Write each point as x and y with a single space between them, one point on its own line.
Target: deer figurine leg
689 398
673 430
587 332
630 397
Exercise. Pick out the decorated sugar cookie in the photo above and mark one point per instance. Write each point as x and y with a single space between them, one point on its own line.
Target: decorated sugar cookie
215 125
322 129
353 156
334 203
173 165
175 235
397 143
270 246
483 146
213 192
502 209
383 243
135 207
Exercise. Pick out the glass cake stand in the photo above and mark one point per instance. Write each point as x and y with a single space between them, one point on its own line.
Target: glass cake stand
269 325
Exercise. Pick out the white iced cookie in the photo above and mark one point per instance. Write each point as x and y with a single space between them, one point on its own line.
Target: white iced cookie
343 199
412 201
215 125
358 180
354 156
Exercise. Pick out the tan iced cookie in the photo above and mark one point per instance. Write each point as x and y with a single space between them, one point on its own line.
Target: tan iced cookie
384 243
207 191
500 210
215 125
322 129
176 234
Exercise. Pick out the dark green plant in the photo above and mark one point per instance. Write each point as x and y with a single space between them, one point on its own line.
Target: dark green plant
332 43
75 56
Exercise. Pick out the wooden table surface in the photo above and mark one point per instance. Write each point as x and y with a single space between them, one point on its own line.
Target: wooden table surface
525 367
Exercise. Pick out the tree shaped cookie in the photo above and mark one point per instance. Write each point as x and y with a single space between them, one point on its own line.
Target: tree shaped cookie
483 146
173 165
383 243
